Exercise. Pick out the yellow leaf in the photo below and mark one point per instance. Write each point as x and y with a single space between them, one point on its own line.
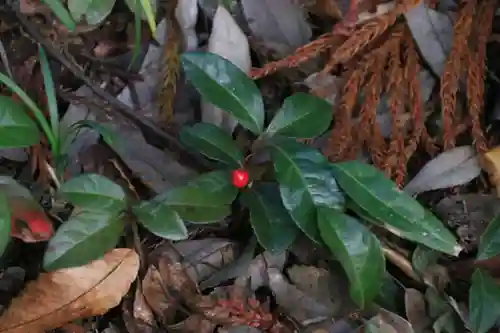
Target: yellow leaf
68 294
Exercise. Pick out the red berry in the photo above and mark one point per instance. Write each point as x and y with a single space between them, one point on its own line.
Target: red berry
240 178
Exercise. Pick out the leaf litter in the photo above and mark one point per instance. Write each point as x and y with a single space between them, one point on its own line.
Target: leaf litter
220 279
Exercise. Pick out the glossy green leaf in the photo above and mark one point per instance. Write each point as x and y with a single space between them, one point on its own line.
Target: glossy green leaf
94 192
57 7
306 181
357 249
161 220
86 236
224 85
205 199
271 223
484 302
301 116
401 214
16 127
94 11
212 142
4 222
489 245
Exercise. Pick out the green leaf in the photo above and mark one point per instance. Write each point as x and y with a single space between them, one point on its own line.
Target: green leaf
4 222
484 302
205 199
212 142
271 223
147 11
161 220
16 127
422 258
227 87
301 116
83 238
95 11
110 136
489 245
400 213
357 249
94 192
62 14
306 181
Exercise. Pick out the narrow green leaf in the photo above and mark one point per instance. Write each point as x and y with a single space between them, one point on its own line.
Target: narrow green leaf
147 11
489 245
83 238
94 192
61 13
212 142
4 222
357 249
205 199
161 220
271 223
18 130
301 116
37 113
306 181
226 86
50 92
484 302
94 11
400 213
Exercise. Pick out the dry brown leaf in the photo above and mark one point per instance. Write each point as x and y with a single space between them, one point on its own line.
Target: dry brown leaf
492 167
62 296
154 290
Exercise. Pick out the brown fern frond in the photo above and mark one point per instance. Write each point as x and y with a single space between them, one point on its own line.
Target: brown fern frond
395 102
475 72
452 69
170 62
301 55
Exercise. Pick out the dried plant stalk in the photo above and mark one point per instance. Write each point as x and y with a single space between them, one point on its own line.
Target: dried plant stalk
395 100
475 72
452 70
170 62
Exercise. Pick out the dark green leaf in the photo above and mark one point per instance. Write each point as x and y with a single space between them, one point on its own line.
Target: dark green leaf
57 7
301 116
224 85
84 237
422 258
212 142
357 249
161 220
484 302
400 213
205 199
92 191
306 181
17 128
4 222
95 11
272 225
489 246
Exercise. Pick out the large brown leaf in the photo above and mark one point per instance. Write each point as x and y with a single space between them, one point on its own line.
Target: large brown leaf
61 296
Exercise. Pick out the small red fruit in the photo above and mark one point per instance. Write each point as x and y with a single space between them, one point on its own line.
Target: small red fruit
240 178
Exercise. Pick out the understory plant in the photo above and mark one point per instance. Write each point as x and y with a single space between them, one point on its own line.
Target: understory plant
286 186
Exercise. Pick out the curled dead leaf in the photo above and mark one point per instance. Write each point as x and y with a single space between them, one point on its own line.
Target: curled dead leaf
65 295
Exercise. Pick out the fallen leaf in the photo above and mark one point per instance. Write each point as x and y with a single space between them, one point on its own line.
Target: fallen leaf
454 167
228 41
280 24
415 309
492 167
153 289
72 293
